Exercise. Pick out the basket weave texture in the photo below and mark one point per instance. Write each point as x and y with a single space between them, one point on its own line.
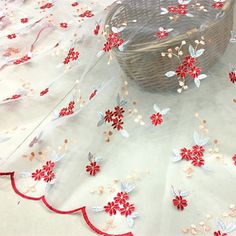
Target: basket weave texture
141 59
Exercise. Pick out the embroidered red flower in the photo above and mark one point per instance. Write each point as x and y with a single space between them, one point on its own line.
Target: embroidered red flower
182 9
234 159
13 97
63 25
194 72
72 56
172 9
45 91
218 233
47 5
198 150
74 4
48 176
108 116
11 36
113 40
107 47
49 166
232 76
119 112
118 42
182 6
24 20
121 198
111 208
127 209
96 30
179 202
67 110
117 124
218 5
93 94
189 61
181 71
93 168
186 154
156 118
162 34
198 161
22 60
37 175
87 13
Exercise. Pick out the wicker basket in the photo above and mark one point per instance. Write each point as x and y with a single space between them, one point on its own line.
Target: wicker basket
142 60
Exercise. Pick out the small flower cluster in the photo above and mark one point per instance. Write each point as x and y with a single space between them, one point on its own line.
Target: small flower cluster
156 118
97 29
179 200
43 92
234 159
63 25
188 67
181 9
74 4
163 33
46 172
195 155
66 111
24 20
13 97
218 4
120 204
72 56
11 36
116 117
94 166
87 13
113 40
22 60
218 233
232 76
47 5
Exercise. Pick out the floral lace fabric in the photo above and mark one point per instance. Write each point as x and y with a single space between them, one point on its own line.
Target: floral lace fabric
81 137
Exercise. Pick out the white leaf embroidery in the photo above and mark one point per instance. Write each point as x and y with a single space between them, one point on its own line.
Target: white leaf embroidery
100 53
170 74
230 228
199 52
189 15
220 225
25 174
164 11
127 187
197 82
191 51
130 221
184 193
165 111
156 108
98 209
55 157
202 76
117 30
124 133
176 158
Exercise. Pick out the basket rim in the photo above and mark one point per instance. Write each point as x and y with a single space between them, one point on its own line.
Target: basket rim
155 44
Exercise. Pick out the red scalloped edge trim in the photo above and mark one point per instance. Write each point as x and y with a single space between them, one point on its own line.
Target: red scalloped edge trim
44 200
